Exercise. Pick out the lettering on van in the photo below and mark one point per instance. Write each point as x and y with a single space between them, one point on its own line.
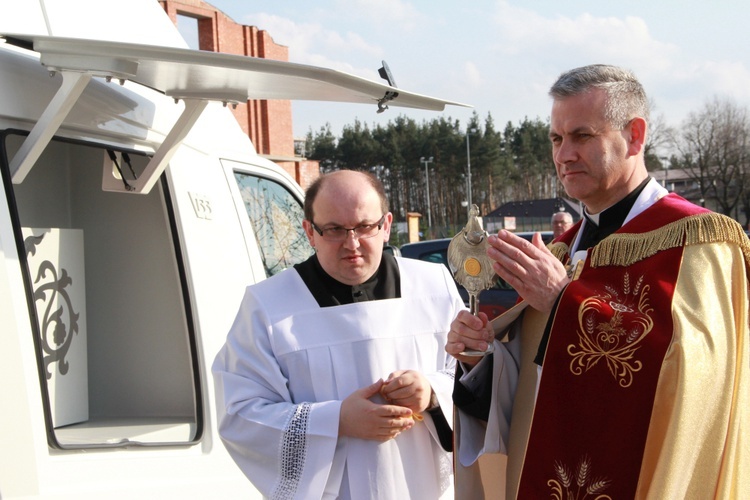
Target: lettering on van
201 205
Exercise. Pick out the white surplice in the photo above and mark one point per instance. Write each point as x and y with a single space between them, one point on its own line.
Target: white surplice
288 364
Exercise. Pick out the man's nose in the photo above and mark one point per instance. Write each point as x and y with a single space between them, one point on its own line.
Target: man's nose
352 240
565 152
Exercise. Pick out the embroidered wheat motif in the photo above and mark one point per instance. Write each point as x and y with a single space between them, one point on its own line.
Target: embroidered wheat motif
563 489
583 471
562 474
597 487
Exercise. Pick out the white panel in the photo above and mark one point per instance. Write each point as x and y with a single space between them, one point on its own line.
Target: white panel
143 20
56 266
22 17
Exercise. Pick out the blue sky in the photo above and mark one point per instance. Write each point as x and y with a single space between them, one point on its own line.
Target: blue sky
502 55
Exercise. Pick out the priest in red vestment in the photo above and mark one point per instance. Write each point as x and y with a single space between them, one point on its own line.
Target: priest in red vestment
624 372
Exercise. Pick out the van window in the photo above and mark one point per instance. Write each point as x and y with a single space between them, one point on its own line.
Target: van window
276 216
108 301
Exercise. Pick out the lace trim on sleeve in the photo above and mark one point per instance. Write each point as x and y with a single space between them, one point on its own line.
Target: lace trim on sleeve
293 452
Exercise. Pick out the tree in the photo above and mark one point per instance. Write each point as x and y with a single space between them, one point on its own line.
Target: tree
490 155
658 138
357 150
713 147
531 155
322 147
443 141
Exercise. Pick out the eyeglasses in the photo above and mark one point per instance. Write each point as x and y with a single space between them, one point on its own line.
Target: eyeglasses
338 233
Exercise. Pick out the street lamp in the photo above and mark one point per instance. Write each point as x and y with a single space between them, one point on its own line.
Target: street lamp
468 169
427 183
665 165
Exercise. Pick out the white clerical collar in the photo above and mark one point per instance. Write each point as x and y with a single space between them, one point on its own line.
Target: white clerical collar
592 217
652 192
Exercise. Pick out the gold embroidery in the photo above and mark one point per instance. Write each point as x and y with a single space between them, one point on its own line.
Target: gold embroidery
564 488
614 341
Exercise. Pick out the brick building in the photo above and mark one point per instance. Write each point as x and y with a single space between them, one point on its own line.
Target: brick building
268 123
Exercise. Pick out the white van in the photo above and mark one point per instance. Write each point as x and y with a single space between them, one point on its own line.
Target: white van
133 214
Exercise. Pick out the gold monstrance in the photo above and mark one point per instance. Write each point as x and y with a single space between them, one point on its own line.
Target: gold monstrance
470 265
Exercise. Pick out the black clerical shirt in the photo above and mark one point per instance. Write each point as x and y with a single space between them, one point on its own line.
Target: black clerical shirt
328 292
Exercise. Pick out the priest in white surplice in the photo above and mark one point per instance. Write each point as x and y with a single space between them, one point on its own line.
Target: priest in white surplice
334 381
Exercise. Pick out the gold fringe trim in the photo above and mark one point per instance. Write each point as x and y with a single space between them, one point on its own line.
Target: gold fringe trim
559 250
626 249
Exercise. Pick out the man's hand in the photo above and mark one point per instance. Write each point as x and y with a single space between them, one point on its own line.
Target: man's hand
469 332
407 388
530 268
361 418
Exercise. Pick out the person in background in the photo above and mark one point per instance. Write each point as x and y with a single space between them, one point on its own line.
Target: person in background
561 222
334 381
626 371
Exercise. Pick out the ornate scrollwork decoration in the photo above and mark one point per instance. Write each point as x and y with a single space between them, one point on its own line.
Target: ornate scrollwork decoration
50 288
612 327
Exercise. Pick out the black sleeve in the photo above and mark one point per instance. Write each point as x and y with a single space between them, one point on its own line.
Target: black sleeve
476 404
542 349
444 431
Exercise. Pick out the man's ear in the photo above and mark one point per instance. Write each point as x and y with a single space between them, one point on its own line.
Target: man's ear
387 226
637 129
308 231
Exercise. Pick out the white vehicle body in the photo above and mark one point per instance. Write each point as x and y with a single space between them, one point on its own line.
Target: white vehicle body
155 260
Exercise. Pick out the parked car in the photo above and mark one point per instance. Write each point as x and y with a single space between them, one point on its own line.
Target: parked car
492 302
393 250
